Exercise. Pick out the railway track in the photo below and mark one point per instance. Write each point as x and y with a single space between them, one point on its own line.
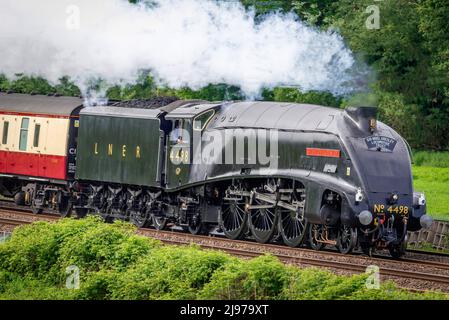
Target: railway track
11 222
408 273
21 216
433 253
10 207
307 257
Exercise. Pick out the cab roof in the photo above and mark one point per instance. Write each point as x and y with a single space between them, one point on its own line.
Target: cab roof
190 110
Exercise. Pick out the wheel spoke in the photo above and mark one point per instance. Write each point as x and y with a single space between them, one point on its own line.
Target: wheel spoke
291 224
262 222
346 239
233 219
240 210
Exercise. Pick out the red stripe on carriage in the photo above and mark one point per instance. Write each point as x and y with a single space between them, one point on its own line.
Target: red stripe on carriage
33 164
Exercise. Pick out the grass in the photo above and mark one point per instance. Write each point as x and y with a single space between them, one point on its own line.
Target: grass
434 182
428 247
431 159
431 176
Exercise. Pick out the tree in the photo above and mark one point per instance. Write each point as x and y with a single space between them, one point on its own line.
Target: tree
434 26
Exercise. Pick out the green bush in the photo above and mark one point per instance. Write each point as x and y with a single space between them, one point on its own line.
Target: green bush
317 284
260 278
32 250
311 284
44 250
169 273
97 285
104 247
114 263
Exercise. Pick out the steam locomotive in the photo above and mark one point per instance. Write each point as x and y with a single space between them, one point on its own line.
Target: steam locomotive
268 171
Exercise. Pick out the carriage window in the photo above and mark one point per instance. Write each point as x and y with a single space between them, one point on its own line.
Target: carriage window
5 132
37 130
200 122
24 134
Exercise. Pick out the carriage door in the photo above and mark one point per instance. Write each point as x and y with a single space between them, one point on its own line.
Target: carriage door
4 145
71 147
178 154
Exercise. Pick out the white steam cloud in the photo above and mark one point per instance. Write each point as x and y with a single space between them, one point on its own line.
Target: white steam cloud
183 42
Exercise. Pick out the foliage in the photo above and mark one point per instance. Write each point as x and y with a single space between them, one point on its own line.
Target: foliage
45 250
115 263
216 92
395 49
37 85
422 131
169 273
409 53
435 30
311 97
263 7
260 278
316 284
315 12
144 88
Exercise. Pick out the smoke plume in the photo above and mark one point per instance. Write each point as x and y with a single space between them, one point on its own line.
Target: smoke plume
182 42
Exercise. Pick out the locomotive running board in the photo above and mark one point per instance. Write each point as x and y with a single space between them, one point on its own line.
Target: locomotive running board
272 200
260 206
331 242
291 190
266 198
239 195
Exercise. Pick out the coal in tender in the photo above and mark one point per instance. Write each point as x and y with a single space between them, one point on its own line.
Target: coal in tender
152 103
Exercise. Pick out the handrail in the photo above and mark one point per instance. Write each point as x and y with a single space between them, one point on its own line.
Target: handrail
409 151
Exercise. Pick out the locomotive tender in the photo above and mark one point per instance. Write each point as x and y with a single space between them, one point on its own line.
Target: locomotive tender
265 170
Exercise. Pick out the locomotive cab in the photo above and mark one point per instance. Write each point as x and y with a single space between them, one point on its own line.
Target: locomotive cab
183 143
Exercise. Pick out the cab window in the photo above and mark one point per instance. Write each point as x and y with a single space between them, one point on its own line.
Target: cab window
176 133
200 122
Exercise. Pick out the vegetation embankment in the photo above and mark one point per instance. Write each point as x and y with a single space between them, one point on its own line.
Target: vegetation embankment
114 263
